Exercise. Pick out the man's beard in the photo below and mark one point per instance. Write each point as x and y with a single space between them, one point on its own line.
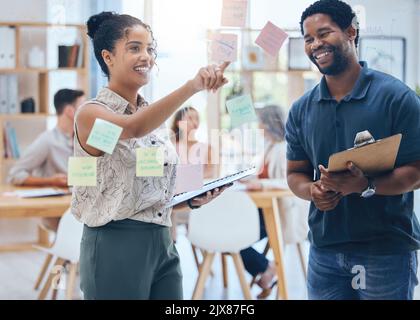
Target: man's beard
339 64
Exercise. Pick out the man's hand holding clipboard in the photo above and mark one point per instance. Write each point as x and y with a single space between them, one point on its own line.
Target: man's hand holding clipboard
350 171
371 156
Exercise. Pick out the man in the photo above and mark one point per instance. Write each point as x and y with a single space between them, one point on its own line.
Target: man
44 163
363 231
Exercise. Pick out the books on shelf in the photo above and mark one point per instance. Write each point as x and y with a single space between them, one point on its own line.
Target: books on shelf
11 146
70 56
9 93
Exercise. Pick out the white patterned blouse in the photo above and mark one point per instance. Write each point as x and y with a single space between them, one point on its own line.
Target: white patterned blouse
119 194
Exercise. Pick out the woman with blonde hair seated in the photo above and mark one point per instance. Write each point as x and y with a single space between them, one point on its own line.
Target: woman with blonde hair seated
190 151
184 126
293 211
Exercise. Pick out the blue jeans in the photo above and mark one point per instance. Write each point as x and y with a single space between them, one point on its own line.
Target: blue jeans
354 276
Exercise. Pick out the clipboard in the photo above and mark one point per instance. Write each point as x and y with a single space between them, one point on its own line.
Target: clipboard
370 155
181 197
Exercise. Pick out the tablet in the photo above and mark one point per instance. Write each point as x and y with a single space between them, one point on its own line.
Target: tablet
42 192
181 197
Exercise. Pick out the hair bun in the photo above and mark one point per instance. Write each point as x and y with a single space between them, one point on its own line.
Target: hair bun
96 20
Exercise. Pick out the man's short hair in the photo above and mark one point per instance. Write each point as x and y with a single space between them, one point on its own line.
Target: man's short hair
64 97
340 12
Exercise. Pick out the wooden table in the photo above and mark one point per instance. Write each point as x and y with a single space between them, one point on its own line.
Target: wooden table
15 207
267 200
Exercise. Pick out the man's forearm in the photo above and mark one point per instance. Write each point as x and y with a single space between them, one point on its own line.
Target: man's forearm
300 184
400 180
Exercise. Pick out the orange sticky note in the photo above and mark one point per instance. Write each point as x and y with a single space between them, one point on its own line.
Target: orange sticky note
224 47
271 38
234 13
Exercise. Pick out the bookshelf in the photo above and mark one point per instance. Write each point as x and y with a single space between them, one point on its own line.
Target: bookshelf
35 81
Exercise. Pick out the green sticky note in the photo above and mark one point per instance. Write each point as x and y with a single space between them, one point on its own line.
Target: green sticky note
241 110
104 135
149 162
82 171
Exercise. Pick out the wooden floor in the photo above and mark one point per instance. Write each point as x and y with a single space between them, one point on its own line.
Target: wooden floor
18 272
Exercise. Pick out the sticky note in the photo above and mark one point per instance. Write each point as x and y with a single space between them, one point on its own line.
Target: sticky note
271 38
224 47
149 162
188 177
252 58
82 171
241 110
234 13
104 135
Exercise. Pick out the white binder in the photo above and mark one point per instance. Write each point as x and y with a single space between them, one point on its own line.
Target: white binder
3 94
7 48
12 94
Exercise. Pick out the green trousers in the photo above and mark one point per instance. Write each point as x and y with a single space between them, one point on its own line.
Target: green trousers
129 259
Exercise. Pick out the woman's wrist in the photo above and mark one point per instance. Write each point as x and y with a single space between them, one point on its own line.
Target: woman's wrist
192 90
191 206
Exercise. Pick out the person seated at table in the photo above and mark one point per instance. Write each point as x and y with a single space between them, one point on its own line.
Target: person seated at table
44 163
190 151
272 175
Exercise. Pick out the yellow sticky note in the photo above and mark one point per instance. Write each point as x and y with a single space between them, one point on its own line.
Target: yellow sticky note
149 162
82 171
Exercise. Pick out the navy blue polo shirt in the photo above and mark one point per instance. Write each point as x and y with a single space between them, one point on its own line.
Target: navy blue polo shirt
319 126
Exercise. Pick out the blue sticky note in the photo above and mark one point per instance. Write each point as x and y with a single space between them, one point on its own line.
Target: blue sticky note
104 135
241 110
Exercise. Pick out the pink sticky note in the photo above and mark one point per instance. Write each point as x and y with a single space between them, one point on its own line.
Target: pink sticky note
224 47
188 177
234 13
271 38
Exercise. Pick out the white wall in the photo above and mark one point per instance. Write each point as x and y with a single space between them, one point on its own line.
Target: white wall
23 10
396 18
285 14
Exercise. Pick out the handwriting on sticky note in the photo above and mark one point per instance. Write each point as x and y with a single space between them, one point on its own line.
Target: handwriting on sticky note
104 135
224 47
149 162
82 171
234 13
188 177
271 38
241 110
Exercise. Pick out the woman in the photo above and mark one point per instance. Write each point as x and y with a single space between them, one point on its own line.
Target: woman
184 127
126 249
272 174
